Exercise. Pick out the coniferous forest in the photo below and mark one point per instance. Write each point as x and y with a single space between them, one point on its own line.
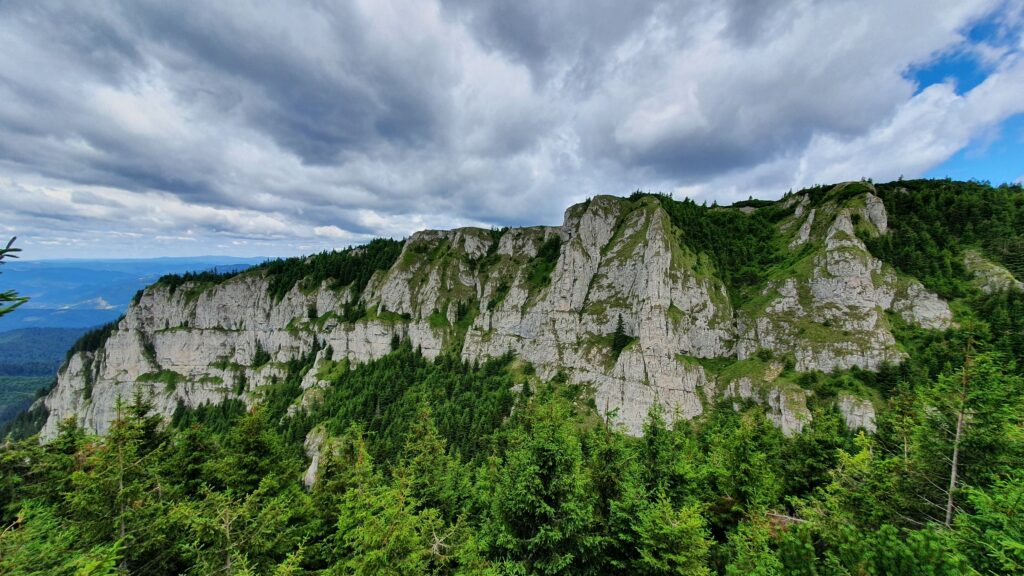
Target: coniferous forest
445 467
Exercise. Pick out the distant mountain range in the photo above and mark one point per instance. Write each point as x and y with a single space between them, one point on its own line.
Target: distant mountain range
85 293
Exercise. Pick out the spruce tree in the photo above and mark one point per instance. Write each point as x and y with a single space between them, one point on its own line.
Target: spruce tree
9 299
619 340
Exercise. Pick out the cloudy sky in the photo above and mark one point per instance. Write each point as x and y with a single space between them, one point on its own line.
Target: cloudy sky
282 127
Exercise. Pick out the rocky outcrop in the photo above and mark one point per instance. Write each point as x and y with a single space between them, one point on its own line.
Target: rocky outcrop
314 447
990 277
874 211
859 413
827 309
786 402
804 233
617 260
551 295
788 409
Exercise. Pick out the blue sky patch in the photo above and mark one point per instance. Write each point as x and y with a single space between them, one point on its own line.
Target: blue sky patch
999 160
998 154
961 65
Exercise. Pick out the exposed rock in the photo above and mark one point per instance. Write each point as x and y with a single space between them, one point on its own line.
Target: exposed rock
917 305
859 413
788 409
830 312
800 201
470 292
876 213
804 233
617 260
787 404
741 388
990 277
313 446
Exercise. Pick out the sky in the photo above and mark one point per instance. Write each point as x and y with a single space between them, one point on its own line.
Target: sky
284 127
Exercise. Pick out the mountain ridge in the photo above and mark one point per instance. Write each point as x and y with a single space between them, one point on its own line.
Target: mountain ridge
550 295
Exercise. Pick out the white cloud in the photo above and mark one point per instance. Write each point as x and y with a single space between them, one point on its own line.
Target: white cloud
296 126
331 232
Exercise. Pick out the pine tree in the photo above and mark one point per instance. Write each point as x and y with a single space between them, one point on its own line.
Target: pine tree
381 532
542 512
671 540
965 433
619 339
9 299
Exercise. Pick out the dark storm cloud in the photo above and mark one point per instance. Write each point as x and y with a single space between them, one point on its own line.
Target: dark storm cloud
546 36
318 100
314 124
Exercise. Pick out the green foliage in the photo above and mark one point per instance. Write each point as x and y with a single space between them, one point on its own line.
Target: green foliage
932 222
1003 312
169 378
544 488
94 339
752 552
9 299
538 270
672 540
743 247
260 357
42 545
966 428
350 267
992 537
500 292
837 194
206 278
619 338
215 417
384 396
544 517
891 551
381 532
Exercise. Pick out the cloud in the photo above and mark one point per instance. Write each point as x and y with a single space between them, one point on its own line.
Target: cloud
296 126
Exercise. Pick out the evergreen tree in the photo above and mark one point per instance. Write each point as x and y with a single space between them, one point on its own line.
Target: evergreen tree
671 540
9 299
992 534
542 511
619 339
967 430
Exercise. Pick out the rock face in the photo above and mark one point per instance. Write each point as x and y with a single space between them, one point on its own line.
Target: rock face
551 295
828 309
786 403
616 261
313 446
989 276
858 412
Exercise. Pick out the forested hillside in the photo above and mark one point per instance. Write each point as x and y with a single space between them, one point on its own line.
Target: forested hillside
28 362
407 465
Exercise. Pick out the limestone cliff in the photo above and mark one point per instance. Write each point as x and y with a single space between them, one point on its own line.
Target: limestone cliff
551 295
827 308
